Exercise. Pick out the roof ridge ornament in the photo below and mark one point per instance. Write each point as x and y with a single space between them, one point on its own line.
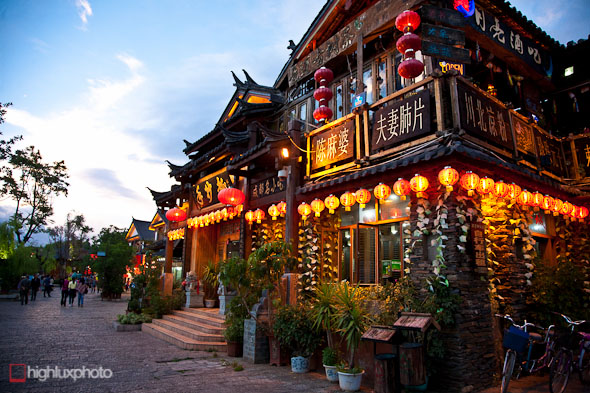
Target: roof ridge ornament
238 83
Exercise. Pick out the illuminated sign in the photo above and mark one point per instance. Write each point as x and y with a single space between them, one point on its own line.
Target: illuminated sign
333 145
465 7
446 67
359 100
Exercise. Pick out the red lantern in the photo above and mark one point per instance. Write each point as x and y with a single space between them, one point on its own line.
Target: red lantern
419 184
273 211
212 217
410 68
322 94
282 205
525 198
514 191
259 215
583 212
407 21
362 197
304 209
574 212
401 188
206 220
231 196
250 216
408 41
347 200
317 205
566 208
332 203
500 189
176 214
469 181
218 215
448 177
382 191
485 186
323 76
322 113
547 204
557 205
537 199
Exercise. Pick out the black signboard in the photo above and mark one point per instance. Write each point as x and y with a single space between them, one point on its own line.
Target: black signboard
533 54
583 153
400 121
483 117
443 35
549 152
523 132
333 145
445 52
446 16
206 190
478 232
266 187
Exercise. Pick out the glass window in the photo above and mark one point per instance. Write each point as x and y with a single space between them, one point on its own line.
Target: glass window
352 90
368 85
303 112
390 251
366 255
346 241
357 214
382 78
393 207
539 225
398 81
339 107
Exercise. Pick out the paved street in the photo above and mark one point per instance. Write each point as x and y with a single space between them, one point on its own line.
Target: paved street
44 334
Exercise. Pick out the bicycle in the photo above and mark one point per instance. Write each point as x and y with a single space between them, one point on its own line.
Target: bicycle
561 367
516 341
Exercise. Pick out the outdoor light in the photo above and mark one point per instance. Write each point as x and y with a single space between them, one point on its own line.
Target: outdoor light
574 213
514 191
382 191
362 197
176 214
332 202
419 184
347 200
317 205
448 177
557 205
409 44
469 181
218 216
273 211
304 209
485 186
323 94
285 152
259 215
548 203
583 213
538 199
525 199
231 196
401 188
282 205
566 208
250 217
500 189
407 21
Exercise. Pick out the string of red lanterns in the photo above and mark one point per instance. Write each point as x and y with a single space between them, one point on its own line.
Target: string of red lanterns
408 44
323 94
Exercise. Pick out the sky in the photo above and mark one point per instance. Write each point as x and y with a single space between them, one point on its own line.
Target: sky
113 87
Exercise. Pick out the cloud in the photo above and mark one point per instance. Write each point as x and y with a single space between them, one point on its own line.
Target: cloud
40 45
84 11
107 182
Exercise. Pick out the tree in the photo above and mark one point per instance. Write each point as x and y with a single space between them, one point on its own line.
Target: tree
112 267
15 259
70 241
32 184
6 146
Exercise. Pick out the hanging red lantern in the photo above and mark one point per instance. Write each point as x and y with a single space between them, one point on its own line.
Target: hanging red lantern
557 205
259 215
469 181
547 203
231 212
525 198
574 212
206 220
407 21
485 186
317 205
323 76
304 209
322 113
410 68
250 216
282 205
448 177
218 215
231 196
224 213
583 212
500 189
419 184
514 191
566 208
408 41
382 191
332 202
274 212
537 199
176 214
401 188
362 197
323 95
212 217
347 200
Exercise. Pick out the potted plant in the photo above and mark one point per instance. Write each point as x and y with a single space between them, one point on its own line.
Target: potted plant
351 322
294 330
323 311
234 328
210 277
330 360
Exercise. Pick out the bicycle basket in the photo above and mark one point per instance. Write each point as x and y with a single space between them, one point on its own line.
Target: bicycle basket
515 339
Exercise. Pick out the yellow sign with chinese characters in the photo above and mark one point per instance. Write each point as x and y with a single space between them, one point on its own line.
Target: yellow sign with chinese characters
206 190
333 145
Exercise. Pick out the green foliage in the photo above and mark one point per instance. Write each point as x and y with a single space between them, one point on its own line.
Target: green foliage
234 320
330 357
20 261
293 327
323 310
442 302
133 318
210 274
112 267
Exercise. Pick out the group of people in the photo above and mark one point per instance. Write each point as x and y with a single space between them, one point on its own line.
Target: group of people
70 288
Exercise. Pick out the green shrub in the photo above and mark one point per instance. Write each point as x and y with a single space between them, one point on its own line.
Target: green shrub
330 356
293 327
133 318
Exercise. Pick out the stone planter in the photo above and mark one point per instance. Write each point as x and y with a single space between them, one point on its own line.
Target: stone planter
210 303
119 327
278 356
331 373
350 382
299 364
224 301
193 300
235 349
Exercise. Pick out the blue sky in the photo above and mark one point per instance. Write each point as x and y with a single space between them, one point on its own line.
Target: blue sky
113 87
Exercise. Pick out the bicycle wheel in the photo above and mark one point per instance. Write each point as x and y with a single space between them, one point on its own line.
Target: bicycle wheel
559 373
509 360
584 367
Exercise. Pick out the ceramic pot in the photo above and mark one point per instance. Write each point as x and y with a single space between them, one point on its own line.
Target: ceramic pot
350 382
209 303
299 364
331 373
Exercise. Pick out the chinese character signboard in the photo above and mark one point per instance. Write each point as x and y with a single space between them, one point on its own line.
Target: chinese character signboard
523 133
206 190
549 152
479 243
583 153
484 117
333 145
405 119
266 187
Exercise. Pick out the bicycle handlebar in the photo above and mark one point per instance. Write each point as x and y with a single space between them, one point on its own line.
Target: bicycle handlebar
569 321
521 327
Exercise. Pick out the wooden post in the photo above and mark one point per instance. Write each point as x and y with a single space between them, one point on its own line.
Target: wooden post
454 101
292 218
360 86
575 159
169 253
438 98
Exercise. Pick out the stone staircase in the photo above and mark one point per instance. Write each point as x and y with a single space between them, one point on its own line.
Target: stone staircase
195 329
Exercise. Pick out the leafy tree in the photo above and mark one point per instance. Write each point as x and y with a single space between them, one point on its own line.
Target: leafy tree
15 259
6 146
32 184
112 267
70 242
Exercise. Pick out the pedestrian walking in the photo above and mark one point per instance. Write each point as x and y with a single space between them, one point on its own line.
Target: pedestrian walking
23 288
72 291
47 286
35 284
82 290
64 292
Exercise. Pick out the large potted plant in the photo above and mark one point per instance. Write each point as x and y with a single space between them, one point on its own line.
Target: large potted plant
293 328
210 278
351 322
323 313
234 328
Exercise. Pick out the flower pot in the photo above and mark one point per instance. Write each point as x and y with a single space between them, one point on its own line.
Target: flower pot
299 364
235 349
331 373
209 303
350 382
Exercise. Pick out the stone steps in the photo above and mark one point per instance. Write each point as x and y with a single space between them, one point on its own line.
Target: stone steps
190 329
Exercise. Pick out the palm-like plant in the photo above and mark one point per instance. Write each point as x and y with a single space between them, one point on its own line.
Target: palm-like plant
324 309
